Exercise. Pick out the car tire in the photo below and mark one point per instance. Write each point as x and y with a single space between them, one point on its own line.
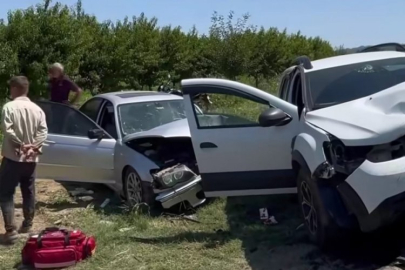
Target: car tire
321 228
137 191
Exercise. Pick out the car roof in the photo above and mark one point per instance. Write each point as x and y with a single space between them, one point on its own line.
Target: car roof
354 58
134 96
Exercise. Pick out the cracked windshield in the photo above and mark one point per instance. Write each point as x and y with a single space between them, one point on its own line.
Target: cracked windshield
143 116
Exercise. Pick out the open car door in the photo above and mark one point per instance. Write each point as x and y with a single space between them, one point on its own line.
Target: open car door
69 154
236 153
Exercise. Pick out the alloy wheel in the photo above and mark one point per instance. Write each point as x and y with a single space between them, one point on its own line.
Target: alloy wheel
134 189
308 209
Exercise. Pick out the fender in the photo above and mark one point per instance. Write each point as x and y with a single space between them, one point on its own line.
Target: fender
311 149
330 197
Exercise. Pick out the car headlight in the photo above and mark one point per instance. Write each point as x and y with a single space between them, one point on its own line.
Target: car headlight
170 177
344 159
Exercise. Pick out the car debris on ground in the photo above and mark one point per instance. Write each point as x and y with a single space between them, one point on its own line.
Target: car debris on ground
80 192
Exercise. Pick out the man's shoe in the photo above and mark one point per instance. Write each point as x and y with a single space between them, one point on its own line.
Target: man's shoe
25 229
11 237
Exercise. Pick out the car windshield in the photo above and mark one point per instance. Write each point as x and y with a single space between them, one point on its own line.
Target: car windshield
341 84
137 117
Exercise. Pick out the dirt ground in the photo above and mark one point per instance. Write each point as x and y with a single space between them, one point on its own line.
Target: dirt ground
53 204
45 191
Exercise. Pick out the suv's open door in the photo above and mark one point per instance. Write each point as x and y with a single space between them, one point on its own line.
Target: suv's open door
236 154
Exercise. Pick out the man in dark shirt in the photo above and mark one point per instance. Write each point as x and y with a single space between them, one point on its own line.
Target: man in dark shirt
60 86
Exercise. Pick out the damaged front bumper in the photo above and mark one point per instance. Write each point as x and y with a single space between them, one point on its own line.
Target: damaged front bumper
190 192
375 193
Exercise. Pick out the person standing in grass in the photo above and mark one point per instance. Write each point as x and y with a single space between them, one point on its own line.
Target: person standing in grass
24 128
61 85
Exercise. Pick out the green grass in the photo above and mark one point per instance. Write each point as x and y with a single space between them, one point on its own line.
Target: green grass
225 238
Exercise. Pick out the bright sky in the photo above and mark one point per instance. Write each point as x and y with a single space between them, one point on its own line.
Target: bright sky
343 22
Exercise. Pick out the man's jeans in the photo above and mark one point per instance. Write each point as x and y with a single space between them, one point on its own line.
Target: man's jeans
13 173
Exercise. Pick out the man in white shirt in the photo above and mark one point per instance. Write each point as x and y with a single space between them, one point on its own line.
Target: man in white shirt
24 127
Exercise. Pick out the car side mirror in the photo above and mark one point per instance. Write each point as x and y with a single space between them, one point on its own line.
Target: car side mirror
273 117
96 134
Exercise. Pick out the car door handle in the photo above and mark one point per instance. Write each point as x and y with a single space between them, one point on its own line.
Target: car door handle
208 145
50 142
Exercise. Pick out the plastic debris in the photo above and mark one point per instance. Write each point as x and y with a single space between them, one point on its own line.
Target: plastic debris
86 198
58 222
81 191
266 218
105 203
125 229
107 222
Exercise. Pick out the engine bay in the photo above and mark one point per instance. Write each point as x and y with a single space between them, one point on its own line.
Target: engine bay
172 155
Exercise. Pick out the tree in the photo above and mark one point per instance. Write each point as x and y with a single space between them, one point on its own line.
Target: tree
137 54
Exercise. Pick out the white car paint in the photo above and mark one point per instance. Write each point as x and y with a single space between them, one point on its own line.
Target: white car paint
375 182
309 143
368 121
348 59
371 120
242 149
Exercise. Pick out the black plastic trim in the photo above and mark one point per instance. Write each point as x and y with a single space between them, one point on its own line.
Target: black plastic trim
385 214
398 47
227 181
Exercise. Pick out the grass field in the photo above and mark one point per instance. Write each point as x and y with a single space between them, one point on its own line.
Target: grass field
228 235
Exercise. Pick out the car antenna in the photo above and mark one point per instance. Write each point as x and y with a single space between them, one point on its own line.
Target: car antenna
304 61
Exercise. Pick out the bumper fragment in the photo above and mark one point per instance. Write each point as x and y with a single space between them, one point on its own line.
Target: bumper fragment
375 193
187 192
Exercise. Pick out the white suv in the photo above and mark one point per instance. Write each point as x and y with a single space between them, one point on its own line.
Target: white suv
335 134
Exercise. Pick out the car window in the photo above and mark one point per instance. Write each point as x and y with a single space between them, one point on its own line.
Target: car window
226 110
336 85
142 116
64 120
108 120
91 107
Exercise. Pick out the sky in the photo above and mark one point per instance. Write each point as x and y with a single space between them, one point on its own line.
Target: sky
342 22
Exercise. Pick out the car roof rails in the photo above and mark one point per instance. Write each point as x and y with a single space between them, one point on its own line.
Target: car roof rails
392 46
304 61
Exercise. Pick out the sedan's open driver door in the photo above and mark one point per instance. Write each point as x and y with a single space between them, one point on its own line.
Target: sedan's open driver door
236 153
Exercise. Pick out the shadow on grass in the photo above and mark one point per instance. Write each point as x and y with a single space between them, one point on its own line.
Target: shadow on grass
259 241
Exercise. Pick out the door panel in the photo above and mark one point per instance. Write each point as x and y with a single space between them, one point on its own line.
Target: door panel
68 154
235 155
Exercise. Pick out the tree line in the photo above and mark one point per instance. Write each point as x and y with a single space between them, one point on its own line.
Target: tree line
136 53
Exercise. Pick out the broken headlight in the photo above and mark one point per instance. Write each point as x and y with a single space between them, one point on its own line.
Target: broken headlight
169 177
344 159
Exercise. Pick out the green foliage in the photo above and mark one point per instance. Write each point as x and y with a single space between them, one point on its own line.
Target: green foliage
136 53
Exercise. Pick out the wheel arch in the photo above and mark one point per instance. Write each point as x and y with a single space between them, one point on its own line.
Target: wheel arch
298 162
124 171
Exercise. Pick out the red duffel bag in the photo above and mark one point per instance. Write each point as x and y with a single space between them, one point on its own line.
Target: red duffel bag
57 248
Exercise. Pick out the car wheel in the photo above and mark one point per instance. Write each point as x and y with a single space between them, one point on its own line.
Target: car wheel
136 190
320 226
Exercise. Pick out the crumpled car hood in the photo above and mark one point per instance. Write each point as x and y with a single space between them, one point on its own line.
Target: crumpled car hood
177 128
372 120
